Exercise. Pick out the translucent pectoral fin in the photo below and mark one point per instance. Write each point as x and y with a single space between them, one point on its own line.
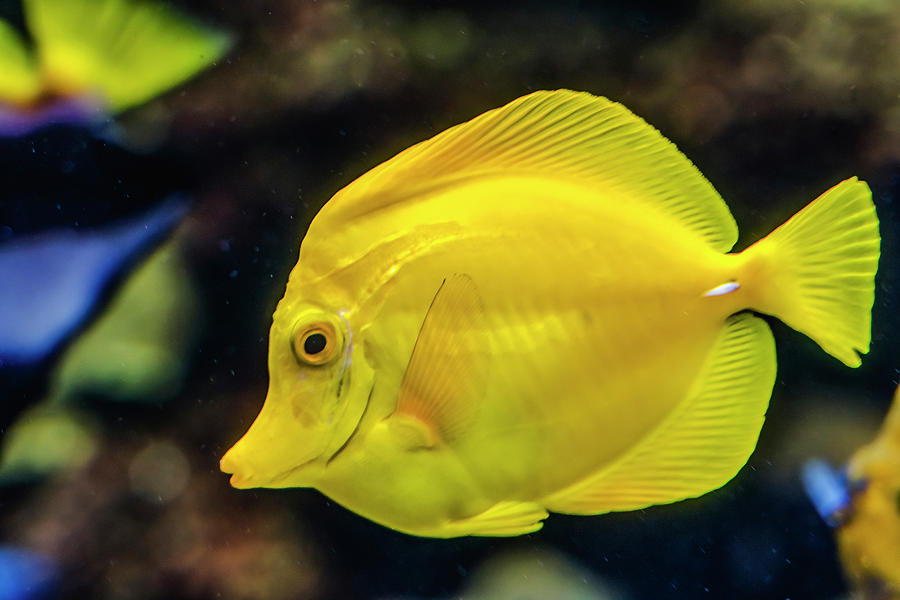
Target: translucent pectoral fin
703 443
410 433
446 372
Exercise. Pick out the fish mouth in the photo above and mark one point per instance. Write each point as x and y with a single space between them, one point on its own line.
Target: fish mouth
245 473
240 479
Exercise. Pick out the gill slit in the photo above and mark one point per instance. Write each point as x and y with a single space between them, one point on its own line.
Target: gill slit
347 358
352 435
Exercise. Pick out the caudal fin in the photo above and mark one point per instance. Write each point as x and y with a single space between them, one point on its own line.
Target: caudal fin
816 272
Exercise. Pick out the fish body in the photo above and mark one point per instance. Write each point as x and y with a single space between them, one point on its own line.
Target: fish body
530 366
534 311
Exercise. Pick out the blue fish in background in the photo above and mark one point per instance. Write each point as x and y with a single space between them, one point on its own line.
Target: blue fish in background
75 111
26 575
828 489
53 282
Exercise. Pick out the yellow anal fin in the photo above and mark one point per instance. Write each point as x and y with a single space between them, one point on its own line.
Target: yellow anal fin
504 519
444 379
703 443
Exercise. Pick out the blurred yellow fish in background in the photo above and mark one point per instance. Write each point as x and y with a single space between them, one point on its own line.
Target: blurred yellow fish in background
863 504
119 52
869 542
534 311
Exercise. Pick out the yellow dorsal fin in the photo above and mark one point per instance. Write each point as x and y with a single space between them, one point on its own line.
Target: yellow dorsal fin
445 375
561 134
703 443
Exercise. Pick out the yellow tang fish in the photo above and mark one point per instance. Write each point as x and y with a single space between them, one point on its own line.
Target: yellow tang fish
863 503
534 311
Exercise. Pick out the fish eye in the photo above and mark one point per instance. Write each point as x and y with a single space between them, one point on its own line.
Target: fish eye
316 343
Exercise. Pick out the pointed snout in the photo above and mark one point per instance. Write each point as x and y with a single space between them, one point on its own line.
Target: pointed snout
271 453
232 464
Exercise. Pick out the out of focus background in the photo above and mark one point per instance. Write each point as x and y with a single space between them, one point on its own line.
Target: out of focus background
143 249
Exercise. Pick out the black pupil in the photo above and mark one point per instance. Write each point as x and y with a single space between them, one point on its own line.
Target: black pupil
314 343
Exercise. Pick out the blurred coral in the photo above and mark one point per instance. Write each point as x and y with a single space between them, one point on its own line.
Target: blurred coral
183 545
836 57
536 575
138 349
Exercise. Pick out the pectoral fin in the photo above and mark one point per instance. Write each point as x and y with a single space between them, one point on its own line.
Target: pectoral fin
445 377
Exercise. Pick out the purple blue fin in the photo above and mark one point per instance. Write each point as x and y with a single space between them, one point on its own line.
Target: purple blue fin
51 283
26 575
77 111
828 490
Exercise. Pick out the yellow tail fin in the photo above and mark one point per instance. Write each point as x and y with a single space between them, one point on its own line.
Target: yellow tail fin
128 51
816 273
